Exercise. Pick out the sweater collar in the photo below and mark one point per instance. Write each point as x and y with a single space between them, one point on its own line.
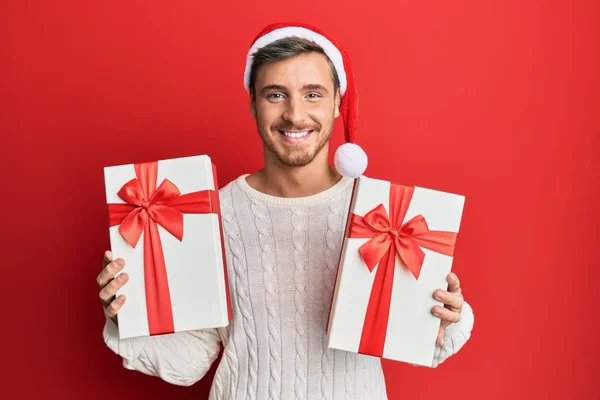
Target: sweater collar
331 192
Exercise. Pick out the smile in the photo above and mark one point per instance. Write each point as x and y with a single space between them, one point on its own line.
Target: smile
295 136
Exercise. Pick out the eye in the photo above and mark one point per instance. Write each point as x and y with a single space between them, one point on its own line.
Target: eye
275 96
314 95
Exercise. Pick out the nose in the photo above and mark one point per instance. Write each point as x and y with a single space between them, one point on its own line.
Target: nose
294 112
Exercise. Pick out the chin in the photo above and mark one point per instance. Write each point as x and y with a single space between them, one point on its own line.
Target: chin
295 163
296 160
293 155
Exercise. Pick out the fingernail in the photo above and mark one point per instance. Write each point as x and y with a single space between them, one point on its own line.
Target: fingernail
120 262
121 299
123 277
436 311
440 295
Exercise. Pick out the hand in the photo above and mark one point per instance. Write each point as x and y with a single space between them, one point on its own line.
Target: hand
109 286
453 304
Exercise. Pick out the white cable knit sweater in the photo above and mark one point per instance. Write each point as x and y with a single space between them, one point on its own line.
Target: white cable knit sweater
282 256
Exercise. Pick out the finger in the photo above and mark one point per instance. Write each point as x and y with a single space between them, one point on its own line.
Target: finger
453 283
114 307
107 258
112 288
454 301
446 315
441 334
109 272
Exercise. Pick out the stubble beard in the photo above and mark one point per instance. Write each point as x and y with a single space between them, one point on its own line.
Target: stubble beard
295 156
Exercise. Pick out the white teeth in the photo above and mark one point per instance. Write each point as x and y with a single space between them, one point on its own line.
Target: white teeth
296 135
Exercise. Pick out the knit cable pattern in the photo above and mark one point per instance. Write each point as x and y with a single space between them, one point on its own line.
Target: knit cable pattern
229 354
333 245
262 220
299 222
240 269
350 360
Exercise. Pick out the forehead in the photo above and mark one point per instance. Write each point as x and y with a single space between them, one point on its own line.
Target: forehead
308 68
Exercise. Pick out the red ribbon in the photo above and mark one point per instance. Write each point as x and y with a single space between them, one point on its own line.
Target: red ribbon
147 207
388 237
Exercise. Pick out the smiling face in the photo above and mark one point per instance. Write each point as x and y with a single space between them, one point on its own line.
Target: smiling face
295 103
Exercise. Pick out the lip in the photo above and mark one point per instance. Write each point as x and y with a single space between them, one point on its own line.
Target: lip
288 139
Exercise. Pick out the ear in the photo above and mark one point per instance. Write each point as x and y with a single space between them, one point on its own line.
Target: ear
337 102
252 104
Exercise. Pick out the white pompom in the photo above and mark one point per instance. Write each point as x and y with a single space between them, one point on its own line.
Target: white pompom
350 160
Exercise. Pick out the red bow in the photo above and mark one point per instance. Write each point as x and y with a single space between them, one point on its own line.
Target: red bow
404 239
388 237
146 208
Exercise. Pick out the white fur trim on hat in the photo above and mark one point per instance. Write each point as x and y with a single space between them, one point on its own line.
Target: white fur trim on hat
332 52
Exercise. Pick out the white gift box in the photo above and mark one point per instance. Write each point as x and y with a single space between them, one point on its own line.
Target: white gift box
411 331
189 286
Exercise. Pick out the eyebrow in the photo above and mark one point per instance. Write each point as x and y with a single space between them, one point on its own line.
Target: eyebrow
273 87
315 86
310 86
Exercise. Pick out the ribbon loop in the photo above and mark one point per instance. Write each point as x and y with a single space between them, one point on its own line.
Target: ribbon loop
132 192
166 193
377 220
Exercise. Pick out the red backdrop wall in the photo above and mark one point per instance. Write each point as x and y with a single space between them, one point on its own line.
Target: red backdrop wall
495 100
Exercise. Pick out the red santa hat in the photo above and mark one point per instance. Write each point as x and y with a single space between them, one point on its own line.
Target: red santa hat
350 159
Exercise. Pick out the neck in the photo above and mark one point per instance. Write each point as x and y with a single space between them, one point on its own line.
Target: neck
276 179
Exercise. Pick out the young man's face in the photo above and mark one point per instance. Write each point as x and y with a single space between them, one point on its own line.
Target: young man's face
295 106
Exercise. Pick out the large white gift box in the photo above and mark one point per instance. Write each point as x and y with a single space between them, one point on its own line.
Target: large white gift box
398 249
165 222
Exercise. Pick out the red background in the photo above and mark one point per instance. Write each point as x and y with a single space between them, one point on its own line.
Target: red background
495 100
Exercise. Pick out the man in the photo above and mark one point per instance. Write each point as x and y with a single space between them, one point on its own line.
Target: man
283 228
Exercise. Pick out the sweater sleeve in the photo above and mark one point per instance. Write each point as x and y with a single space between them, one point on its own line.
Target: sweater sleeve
181 358
456 336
